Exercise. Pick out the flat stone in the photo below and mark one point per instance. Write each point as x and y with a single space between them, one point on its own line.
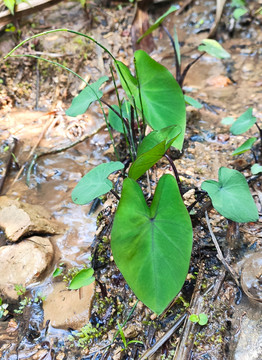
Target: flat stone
24 263
68 308
19 219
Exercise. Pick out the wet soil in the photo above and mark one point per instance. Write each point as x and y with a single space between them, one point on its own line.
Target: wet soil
34 96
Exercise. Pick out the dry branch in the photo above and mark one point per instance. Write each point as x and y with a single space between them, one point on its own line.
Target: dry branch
25 8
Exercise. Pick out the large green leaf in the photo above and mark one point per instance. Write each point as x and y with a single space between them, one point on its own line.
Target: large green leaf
247 145
213 48
83 278
152 246
231 196
95 183
152 149
158 22
162 99
115 121
83 100
243 123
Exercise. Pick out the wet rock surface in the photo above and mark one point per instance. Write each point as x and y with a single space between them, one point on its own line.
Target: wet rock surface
19 219
66 308
24 263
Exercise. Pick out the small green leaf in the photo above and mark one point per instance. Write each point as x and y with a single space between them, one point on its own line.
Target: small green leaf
82 278
227 120
256 169
231 196
243 123
247 145
203 319
213 48
190 101
115 121
135 342
152 149
152 246
86 97
58 271
194 318
239 12
158 22
121 332
10 4
95 183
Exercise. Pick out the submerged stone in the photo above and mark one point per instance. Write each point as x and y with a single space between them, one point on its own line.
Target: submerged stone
68 308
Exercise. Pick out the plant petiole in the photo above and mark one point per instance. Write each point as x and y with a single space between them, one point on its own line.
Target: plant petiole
171 162
115 194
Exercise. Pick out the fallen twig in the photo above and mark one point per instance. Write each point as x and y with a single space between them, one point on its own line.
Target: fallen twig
184 6
12 147
164 338
220 255
25 8
197 302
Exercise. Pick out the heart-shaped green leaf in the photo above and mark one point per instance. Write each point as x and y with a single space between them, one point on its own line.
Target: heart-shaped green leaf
213 48
243 123
115 121
256 169
83 278
231 196
95 183
83 100
190 101
158 22
162 99
152 149
247 145
152 246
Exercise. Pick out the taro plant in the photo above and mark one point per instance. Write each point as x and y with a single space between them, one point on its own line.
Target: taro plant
231 196
201 319
151 241
152 244
241 125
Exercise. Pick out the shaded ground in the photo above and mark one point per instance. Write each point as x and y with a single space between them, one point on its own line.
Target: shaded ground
226 88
